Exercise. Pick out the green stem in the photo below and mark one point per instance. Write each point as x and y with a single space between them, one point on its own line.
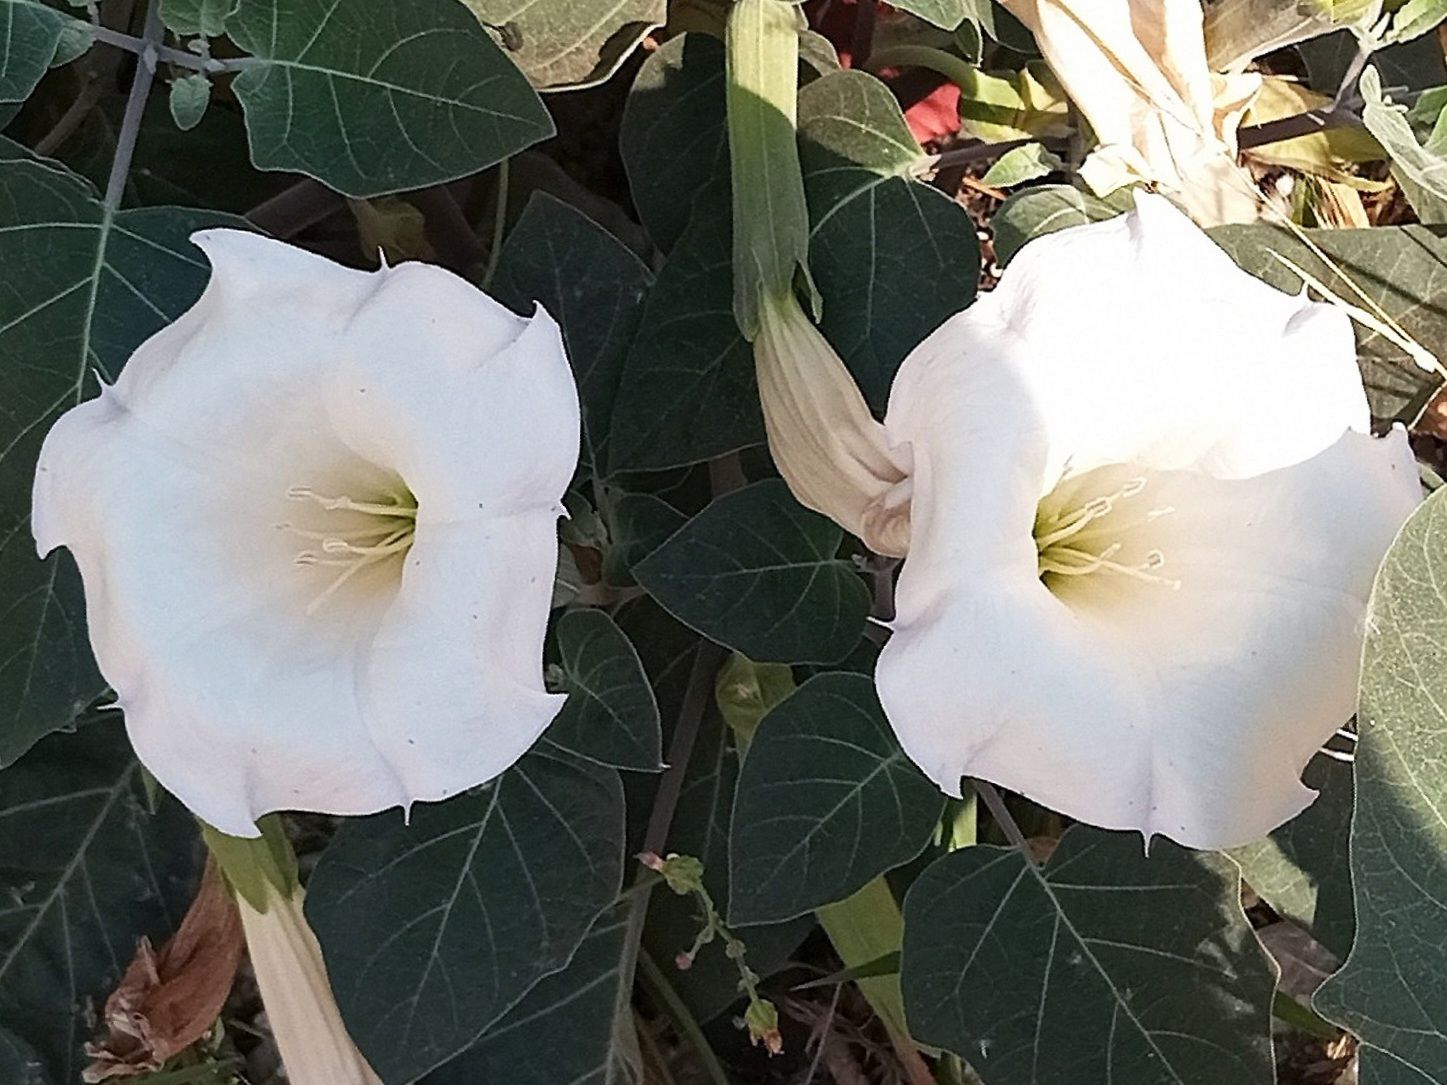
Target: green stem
499 223
956 69
255 867
677 1010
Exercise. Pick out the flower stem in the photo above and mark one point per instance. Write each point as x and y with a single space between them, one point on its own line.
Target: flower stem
1003 817
499 223
135 108
683 1020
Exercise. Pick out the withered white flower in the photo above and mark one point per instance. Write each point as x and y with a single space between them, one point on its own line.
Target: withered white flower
315 518
1137 70
1146 514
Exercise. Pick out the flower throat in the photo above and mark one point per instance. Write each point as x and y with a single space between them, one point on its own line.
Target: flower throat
1077 539
375 532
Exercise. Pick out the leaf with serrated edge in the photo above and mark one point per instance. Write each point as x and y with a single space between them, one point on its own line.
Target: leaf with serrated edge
573 1026
433 930
757 572
370 96
610 715
1102 966
826 801
1390 991
893 257
94 287
567 45
84 872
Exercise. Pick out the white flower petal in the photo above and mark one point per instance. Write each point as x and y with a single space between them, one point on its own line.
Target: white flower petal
1122 351
1138 339
251 683
1127 704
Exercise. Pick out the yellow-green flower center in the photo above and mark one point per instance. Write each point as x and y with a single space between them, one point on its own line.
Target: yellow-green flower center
365 534
1075 537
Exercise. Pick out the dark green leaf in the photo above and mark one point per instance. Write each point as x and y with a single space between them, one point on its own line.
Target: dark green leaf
688 391
206 18
572 1027
673 140
592 285
94 287
1301 869
893 257
1403 269
701 829
638 523
757 572
1104 965
1410 65
85 871
826 801
30 35
433 930
610 715
1043 210
564 43
371 96
1390 992
943 13
205 167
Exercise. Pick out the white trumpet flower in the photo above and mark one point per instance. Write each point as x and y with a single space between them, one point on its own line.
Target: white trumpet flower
316 522
1145 517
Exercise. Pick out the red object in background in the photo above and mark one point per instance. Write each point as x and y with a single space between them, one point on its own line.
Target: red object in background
930 102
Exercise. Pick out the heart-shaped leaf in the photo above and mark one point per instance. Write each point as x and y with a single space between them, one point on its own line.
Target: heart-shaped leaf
433 929
371 96
826 801
1390 990
1103 965
610 715
758 572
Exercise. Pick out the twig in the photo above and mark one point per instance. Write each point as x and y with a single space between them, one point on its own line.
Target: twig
135 108
1299 124
683 1020
1003 817
179 57
1366 46
447 227
863 42
292 210
706 662
90 94
499 223
975 152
